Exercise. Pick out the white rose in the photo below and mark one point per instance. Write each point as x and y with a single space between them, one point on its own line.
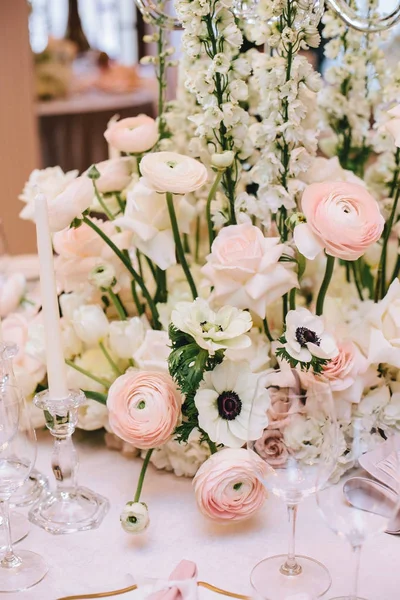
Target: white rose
152 355
173 172
90 324
125 337
12 291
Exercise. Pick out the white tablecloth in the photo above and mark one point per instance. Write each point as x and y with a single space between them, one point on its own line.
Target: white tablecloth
107 558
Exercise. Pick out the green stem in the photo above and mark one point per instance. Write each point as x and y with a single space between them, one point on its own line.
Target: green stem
121 310
210 197
396 269
132 271
330 263
380 289
102 382
178 244
101 201
109 359
162 291
284 306
135 297
121 203
292 299
356 280
267 330
197 250
142 475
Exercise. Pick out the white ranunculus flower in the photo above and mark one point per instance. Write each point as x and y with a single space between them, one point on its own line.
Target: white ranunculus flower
50 181
103 276
12 290
135 517
125 337
224 401
384 322
152 354
90 324
213 330
146 215
305 337
173 172
71 203
222 160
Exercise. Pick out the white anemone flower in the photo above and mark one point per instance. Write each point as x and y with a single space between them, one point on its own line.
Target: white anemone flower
213 330
306 338
224 401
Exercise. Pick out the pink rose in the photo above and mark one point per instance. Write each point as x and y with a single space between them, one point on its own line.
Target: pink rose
144 408
245 271
12 291
135 134
271 447
342 218
228 486
71 203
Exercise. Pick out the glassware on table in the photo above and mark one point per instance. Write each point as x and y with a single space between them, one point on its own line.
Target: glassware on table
36 483
21 570
298 445
365 500
70 508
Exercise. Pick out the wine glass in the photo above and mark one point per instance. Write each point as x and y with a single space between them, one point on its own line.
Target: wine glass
17 458
297 445
363 499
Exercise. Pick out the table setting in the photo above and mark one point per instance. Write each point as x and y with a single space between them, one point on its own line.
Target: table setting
199 371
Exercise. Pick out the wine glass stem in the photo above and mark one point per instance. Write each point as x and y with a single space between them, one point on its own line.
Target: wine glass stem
9 560
357 555
291 567
65 463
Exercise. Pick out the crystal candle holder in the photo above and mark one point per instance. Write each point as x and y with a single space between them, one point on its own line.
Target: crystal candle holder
70 507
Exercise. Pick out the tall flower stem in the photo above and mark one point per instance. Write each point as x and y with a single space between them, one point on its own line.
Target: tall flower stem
330 263
210 198
142 474
109 359
291 566
267 330
132 271
101 201
380 288
121 310
178 244
99 380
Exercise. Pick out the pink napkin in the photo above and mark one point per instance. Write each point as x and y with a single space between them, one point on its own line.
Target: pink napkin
181 584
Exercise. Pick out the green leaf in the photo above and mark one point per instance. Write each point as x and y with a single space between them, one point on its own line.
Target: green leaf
102 398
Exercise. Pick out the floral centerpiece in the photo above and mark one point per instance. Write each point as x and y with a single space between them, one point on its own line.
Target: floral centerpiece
253 224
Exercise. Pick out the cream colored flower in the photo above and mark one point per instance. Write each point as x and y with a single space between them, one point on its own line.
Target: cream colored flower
173 172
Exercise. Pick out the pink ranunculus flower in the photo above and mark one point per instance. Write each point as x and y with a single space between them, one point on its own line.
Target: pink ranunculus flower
228 486
342 218
12 291
144 408
134 134
173 172
71 203
115 174
245 271
81 242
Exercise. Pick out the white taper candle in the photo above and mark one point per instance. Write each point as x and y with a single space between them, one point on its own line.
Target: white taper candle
56 371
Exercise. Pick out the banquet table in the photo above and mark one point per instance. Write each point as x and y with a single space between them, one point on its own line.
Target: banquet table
108 558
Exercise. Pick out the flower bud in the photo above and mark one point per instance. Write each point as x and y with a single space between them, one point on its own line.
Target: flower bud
222 160
148 39
93 172
312 37
102 276
135 517
294 220
147 60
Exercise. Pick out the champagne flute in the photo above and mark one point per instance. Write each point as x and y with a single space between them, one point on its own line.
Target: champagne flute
298 444
363 499
17 458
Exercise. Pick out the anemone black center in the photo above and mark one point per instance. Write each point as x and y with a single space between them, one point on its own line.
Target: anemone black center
305 336
229 405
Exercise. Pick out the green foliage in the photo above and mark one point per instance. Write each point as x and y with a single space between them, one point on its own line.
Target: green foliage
187 364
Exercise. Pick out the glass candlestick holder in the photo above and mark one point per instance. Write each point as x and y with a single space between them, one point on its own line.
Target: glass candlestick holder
70 507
